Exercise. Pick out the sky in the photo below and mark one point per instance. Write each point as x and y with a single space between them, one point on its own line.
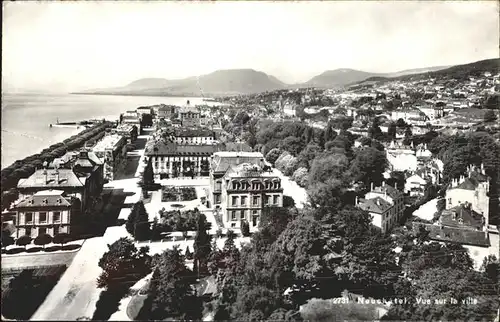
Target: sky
81 45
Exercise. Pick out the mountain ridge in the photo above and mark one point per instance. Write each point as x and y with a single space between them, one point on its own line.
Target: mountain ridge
250 81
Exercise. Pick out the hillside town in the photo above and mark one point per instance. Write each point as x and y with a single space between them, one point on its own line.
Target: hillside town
267 206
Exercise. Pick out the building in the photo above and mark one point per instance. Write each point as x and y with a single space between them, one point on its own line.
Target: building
170 159
166 112
129 131
470 189
79 182
144 110
189 115
45 212
385 204
132 118
194 135
246 190
112 151
402 159
415 185
220 163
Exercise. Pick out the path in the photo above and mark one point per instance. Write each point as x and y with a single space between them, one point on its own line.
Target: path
292 189
25 261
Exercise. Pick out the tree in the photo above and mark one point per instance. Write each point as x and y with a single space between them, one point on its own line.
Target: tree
170 292
326 194
61 238
138 222
148 175
273 155
391 130
188 254
7 240
286 163
400 123
201 244
245 228
330 134
43 239
292 144
23 241
320 310
328 167
308 154
121 260
368 166
301 176
374 132
489 116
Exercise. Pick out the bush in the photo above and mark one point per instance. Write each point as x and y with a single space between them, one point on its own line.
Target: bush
61 238
43 240
23 241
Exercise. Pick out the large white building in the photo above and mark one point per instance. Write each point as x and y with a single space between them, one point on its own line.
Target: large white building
472 189
385 204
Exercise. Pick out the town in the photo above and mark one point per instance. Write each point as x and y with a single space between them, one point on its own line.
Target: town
267 207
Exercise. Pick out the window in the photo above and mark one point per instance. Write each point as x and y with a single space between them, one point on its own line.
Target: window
255 200
217 198
42 217
29 218
56 217
449 201
275 200
268 200
218 185
255 185
276 185
28 231
234 201
254 212
242 215
233 215
243 200
42 231
236 185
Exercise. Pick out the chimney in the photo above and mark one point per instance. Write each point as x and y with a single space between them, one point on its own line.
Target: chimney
378 202
383 183
45 175
356 201
187 103
396 185
57 175
482 169
237 159
371 186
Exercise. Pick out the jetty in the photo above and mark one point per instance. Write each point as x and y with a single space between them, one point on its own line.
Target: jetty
75 125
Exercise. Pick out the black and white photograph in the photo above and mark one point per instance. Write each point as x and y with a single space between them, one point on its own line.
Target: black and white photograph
315 161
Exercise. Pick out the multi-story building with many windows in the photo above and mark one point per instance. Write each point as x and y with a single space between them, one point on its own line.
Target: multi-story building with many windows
112 150
45 212
220 162
246 189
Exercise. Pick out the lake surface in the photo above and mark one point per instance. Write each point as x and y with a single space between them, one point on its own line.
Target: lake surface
26 117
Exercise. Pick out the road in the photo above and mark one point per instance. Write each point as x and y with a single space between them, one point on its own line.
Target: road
26 261
76 292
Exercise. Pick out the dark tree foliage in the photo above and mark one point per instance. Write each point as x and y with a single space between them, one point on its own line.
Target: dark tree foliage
202 247
138 222
148 175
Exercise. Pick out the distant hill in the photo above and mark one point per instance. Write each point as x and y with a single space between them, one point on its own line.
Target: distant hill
458 72
345 76
221 82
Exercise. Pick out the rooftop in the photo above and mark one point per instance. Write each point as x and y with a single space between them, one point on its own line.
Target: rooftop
392 192
222 161
46 198
108 142
194 132
249 170
161 147
454 234
376 205
66 178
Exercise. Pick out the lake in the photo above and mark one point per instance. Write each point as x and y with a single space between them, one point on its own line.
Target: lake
26 117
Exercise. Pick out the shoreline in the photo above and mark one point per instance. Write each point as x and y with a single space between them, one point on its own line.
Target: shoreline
57 139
